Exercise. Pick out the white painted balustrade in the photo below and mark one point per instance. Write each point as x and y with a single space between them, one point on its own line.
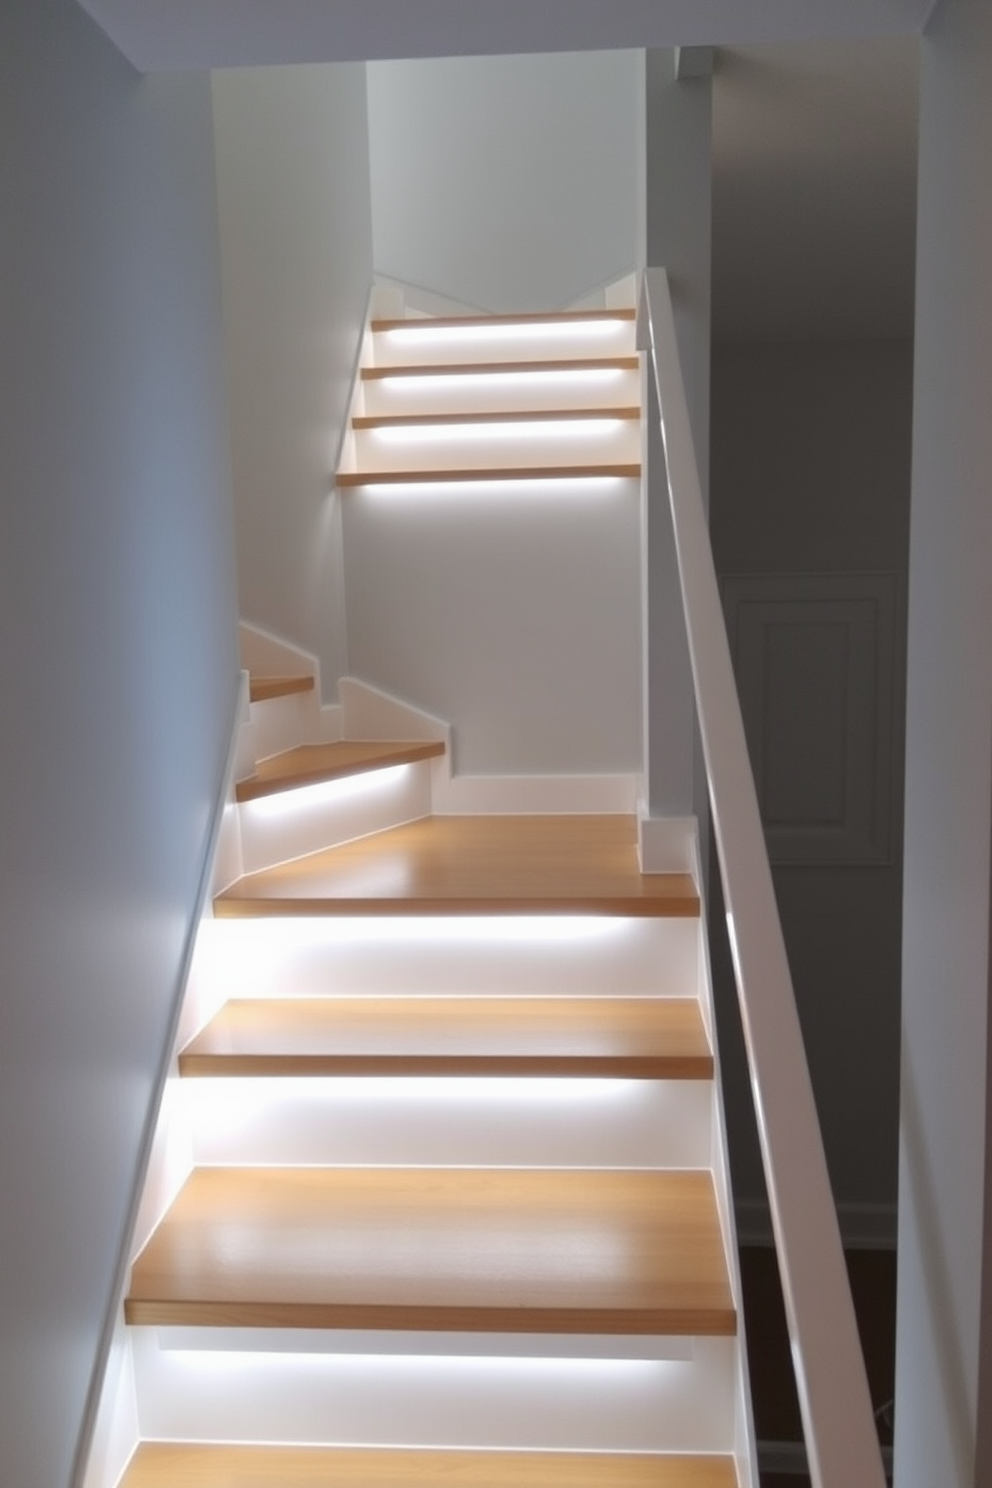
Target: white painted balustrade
839 1426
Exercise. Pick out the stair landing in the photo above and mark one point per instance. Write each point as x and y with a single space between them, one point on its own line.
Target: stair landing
472 865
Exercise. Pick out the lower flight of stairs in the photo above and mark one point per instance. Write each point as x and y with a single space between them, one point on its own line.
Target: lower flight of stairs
448 1199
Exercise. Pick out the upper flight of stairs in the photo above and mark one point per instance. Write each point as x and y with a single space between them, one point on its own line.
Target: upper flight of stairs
448 1199
460 399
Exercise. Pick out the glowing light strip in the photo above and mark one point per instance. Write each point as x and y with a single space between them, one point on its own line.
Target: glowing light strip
524 485
536 330
536 429
499 1348
495 931
328 792
564 375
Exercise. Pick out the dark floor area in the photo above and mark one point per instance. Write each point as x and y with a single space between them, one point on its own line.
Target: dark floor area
873 1285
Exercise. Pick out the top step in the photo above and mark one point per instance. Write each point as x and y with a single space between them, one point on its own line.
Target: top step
524 318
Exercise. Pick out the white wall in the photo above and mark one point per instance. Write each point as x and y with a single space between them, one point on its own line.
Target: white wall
811 475
508 183
948 771
516 617
117 666
296 251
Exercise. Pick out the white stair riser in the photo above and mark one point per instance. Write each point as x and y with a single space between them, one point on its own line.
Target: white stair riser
584 1404
495 956
290 824
455 447
503 393
446 345
460 1122
282 723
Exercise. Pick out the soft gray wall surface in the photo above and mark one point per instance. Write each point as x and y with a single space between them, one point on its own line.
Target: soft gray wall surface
117 669
508 183
514 616
296 250
943 1249
811 474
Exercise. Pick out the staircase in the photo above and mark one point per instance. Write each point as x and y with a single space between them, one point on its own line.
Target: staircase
448 1199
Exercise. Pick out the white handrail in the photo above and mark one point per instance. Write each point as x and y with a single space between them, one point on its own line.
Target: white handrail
841 1440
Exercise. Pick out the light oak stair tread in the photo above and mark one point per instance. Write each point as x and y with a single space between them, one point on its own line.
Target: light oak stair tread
309 764
480 322
209 1465
600 1037
472 865
416 475
604 1251
260 689
465 369
524 416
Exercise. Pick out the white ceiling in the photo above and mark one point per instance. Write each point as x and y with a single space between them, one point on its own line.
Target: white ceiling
159 35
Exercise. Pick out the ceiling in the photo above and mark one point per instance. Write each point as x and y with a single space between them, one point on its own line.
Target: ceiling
159 35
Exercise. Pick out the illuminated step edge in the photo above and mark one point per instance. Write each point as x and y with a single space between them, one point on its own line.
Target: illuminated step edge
508 474
408 1400
323 814
338 1342
497 417
345 759
553 366
406 1121
527 320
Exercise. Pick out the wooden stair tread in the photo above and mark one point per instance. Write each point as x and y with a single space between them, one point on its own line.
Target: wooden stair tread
524 317
502 416
471 865
309 764
607 1037
419 476
465 369
527 1250
260 689
209 1465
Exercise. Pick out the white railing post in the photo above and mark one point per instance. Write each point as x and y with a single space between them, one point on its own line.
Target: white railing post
841 1440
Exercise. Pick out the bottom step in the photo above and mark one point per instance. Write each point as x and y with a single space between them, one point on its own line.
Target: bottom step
166 1465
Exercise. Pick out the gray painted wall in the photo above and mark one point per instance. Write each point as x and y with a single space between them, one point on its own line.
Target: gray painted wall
117 671
296 250
508 183
811 474
943 1148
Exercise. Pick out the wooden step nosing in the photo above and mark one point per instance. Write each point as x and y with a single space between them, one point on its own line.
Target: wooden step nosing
264 688
697 1322
524 317
649 1067
350 479
230 906
255 787
484 369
